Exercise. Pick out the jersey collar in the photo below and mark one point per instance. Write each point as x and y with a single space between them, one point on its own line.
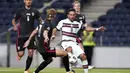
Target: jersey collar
69 20
27 8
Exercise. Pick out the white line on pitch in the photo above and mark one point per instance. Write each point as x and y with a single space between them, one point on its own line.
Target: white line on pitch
9 70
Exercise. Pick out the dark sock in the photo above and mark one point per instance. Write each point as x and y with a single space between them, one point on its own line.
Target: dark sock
28 63
66 63
43 65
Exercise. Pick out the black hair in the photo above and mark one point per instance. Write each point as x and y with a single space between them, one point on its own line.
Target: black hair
71 9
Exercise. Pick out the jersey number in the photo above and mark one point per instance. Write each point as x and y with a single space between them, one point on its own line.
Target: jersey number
28 19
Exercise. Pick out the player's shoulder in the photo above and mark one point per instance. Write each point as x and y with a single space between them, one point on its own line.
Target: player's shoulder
77 22
46 22
34 9
82 14
63 20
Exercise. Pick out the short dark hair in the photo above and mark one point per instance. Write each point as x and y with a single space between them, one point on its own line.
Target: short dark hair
71 9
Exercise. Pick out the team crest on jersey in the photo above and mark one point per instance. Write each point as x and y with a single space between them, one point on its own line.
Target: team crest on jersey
48 28
33 14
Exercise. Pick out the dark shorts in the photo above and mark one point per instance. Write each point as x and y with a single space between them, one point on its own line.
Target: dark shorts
20 43
44 48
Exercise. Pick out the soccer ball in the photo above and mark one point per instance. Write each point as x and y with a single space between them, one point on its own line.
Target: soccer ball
72 59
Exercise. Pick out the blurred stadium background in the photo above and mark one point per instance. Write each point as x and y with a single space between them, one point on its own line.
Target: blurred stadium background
112 50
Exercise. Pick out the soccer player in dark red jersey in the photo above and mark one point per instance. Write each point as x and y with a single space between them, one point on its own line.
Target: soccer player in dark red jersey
25 17
44 36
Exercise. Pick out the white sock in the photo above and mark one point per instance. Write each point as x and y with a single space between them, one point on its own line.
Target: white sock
70 66
85 66
69 54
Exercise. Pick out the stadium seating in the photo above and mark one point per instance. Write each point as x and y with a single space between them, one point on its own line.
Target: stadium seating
9 7
117 22
7 11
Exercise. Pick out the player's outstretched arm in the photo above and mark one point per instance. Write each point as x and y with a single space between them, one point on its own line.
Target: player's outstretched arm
88 28
53 34
33 33
30 37
45 34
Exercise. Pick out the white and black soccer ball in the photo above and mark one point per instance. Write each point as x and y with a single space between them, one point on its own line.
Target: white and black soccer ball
73 59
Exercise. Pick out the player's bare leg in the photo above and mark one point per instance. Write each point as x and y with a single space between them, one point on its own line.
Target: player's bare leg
20 55
53 53
61 53
67 64
29 60
84 62
81 46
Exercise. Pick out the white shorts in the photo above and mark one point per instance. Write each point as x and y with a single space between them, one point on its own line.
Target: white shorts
76 50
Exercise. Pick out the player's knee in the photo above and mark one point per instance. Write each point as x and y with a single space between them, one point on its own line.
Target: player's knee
69 49
83 56
20 54
64 53
30 52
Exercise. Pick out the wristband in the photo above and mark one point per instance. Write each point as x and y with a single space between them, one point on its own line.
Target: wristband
97 29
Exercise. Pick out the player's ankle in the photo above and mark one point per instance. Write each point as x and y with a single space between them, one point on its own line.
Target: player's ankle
71 71
35 72
26 71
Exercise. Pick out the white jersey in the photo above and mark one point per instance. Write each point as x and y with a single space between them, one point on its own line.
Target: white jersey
69 29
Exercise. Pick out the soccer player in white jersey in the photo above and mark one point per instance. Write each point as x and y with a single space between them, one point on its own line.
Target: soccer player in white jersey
69 28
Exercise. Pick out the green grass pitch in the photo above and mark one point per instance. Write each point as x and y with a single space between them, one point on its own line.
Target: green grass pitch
62 70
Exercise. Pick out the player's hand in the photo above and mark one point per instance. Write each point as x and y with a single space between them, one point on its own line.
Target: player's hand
26 44
15 28
46 39
52 37
101 28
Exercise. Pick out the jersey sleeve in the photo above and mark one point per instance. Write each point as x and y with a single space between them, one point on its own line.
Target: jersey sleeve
83 27
55 22
59 26
17 15
84 19
46 26
37 14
